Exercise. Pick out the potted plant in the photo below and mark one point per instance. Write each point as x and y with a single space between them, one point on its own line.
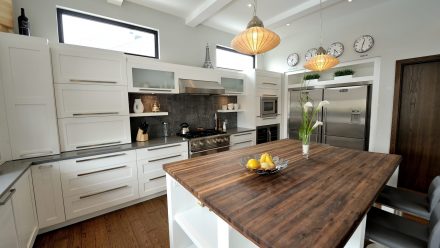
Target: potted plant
311 78
348 73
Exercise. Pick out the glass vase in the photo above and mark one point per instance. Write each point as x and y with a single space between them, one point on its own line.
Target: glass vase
306 146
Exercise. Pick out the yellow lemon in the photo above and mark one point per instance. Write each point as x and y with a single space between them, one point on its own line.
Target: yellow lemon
253 164
271 165
263 157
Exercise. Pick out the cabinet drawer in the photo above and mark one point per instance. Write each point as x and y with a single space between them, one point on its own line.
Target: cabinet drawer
242 137
92 132
79 65
268 82
162 151
95 100
97 162
82 204
150 168
242 144
151 186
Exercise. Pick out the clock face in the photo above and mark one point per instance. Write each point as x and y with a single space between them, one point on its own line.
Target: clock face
292 59
310 53
363 44
336 49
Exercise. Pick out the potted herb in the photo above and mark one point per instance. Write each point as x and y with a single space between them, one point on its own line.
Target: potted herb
311 78
348 73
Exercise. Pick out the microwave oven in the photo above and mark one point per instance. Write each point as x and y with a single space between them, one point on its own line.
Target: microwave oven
268 106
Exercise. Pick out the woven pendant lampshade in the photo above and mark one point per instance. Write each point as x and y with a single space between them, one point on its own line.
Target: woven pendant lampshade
321 61
256 39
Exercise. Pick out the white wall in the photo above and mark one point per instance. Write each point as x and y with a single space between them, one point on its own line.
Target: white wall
178 43
401 28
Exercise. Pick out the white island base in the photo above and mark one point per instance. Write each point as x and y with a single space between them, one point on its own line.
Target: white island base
194 225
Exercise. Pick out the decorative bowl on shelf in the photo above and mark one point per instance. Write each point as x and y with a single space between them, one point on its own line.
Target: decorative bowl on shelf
262 169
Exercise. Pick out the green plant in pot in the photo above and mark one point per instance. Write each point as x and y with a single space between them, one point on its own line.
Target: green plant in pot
341 73
309 77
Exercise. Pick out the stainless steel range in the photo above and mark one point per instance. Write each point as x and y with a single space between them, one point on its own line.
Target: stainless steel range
206 142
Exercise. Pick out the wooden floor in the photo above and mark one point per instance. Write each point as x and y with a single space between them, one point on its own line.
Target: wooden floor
142 225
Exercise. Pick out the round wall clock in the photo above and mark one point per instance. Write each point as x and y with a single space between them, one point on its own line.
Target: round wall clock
292 59
336 49
363 44
310 53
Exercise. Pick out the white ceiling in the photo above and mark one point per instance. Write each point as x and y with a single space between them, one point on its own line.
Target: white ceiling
232 16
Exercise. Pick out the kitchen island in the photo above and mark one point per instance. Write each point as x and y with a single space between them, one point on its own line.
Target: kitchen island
215 202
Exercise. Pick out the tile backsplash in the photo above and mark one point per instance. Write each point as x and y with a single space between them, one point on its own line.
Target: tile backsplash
196 110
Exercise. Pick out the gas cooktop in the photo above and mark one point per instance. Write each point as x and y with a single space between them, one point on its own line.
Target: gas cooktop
200 133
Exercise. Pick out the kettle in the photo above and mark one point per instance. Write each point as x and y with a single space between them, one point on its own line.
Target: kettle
184 128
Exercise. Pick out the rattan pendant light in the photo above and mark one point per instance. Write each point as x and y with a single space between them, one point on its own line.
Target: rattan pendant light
256 39
321 61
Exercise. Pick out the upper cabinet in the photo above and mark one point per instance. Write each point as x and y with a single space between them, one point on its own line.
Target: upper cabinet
233 82
83 65
150 76
26 78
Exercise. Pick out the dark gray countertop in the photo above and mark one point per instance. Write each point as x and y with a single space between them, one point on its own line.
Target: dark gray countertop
11 171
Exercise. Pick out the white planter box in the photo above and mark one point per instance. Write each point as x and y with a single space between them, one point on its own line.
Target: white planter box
343 77
311 81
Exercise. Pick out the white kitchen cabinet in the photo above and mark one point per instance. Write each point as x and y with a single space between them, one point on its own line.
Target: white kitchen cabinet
241 140
233 82
8 233
48 194
198 73
29 96
84 65
5 145
150 163
93 132
151 76
25 215
90 100
268 80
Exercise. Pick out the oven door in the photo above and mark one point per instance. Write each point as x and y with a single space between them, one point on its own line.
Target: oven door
268 106
209 151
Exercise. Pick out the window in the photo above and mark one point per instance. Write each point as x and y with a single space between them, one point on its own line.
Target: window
92 31
229 58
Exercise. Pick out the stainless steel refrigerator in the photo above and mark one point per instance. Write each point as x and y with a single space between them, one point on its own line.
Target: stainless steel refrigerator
346 118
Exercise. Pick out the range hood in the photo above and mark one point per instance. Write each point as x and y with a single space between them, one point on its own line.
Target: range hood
200 87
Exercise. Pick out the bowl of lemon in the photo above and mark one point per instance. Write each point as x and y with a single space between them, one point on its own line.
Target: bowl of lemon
264 164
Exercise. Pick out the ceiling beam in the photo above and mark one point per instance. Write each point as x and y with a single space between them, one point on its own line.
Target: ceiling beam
116 2
205 11
297 12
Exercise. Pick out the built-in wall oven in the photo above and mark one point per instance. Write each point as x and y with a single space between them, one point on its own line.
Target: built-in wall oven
268 106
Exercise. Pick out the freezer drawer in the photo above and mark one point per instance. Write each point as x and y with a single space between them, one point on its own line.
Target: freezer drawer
352 143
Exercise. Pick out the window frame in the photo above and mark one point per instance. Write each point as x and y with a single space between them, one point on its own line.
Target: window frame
61 11
254 58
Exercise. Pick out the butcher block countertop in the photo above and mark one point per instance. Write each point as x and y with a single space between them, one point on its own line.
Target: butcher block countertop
317 202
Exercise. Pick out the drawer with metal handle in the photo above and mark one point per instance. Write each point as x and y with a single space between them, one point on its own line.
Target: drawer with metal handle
97 162
152 166
96 200
240 137
162 151
152 185
86 181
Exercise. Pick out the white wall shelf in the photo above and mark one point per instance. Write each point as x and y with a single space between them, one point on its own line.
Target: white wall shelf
148 114
230 111
335 82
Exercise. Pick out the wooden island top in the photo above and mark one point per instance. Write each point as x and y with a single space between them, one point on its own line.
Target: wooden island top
317 202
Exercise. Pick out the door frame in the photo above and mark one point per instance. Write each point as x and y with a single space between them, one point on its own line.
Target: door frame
398 90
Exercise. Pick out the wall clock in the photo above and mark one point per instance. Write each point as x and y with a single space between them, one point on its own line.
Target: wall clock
363 44
292 59
336 49
311 53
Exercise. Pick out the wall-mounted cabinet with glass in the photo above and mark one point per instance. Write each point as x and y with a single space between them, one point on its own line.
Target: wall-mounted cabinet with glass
233 82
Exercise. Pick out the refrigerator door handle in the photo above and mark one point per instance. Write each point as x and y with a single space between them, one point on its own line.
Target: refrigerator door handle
324 128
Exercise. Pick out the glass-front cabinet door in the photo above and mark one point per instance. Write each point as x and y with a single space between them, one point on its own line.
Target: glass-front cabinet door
234 82
147 76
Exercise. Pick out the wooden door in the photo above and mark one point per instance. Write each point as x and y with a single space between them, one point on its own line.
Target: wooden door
416 121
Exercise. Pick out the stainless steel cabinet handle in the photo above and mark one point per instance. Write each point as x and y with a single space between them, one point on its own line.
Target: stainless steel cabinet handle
42 153
92 81
45 166
217 148
241 134
7 197
269 135
165 90
101 144
268 118
269 95
269 83
99 171
102 192
159 159
247 141
162 147
103 157
155 178
101 113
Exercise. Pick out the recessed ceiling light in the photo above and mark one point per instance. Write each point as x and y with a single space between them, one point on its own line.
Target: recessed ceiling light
350 1
249 5
288 24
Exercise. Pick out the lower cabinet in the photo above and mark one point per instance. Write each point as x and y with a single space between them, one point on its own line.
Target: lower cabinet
48 194
8 235
25 216
241 140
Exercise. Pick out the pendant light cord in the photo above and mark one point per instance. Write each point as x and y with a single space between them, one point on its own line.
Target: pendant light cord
320 17
255 7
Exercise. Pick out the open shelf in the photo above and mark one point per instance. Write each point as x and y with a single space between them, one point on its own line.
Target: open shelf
148 114
336 81
230 111
200 225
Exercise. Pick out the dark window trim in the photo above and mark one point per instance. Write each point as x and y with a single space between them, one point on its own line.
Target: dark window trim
61 11
232 50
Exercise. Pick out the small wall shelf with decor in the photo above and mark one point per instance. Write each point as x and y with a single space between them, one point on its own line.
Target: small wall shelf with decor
148 114
230 111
